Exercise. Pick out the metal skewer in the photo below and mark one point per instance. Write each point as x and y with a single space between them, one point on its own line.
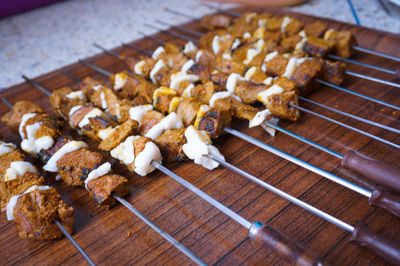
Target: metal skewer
355 47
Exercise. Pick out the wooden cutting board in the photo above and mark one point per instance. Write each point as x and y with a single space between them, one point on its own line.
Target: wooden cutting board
117 236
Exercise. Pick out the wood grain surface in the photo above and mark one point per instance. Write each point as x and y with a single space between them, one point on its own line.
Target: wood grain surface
117 236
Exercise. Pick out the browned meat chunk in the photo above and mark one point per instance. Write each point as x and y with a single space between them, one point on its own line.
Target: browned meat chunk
228 66
213 22
274 24
238 109
293 27
102 188
276 66
74 167
247 91
202 71
203 92
304 74
315 29
48 127
61 103
170 144
187 110
175 61
172 48
288 44
45 155
119 135
146 90
7 159
13 118
213 122
317 47
79 114
35 213
279 105
343 42
334 71
150 119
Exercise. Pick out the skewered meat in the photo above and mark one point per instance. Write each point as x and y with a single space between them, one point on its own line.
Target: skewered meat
213 122
119 134
215 21
64 99
170 144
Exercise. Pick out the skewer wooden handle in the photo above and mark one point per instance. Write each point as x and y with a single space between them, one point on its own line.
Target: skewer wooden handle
282 245
378 172
385 200
383 246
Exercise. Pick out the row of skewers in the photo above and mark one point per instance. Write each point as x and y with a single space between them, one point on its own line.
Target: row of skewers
201 95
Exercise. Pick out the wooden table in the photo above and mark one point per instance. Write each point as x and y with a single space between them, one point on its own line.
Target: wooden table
117 236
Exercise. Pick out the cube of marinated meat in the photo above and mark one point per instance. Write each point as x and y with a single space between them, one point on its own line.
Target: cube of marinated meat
213 22
7 159
219 78
288 44
317 47
175 61
146 90
130 88
286 84
293 27
162 102
202 71
333 72
170 144
48 127
102 188
62 102
45 155
276 66
228 66
17 186
256 75
204 57
343 41
13 117
237 109
213 122
36 211
139 100
247 91
305 73
279 105
205 41
187 110
146 65
273 36
79 114
89 86
274 24
74 167
171 48
315 29
150 119
203 92
119 135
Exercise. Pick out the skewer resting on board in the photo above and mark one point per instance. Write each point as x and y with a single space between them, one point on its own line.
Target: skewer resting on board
378 172
268 237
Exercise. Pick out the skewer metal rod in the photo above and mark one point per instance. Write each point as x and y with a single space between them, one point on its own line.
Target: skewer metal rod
351 61
72 240
377 80
239 219
285 195
107 50
43 90
347 126
99 69
151 37
137 48
71 76
373 52
372 123
179 13
356 94
229 12
6 102
187 38
166 236
193 32
330 176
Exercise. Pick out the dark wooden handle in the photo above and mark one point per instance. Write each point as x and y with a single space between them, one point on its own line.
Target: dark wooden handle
282 245
376 171
385 247
384 199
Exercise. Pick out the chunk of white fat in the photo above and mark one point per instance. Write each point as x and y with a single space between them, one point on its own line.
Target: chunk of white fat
227 56
250 73
189 47
215 44
292 65
302 34
14 199
285 22
262 23
179 77
105 133
98 87
157 67
139 67
268 81
299 46
246 35
157 52
136 113
198 148
76 95
171 121
125 151
235 44
143 161
100 171
31 144
198 55
74 109
220 95
232 81
187 65
263 95
103 101
6 148
328 34
188 91
18 169
71 146
93 113
253 52
270 56
259 118
24 119
120 80
270 130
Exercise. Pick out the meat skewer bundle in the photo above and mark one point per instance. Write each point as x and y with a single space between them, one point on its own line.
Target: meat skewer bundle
91 94
74 162
37 209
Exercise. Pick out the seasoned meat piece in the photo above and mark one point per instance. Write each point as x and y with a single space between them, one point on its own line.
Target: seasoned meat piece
162 102
35 213
213 22
276 66
13 118
89 86
163 76
305 73
317 47
130 89
219 78
343 42
48 127
205 41
97 124
7 159
256 75
150 119
187 110
204 57
247 91
139 100
315 29
172 48
170 144
146 90
278 105
204 92
333 71
288 44
103 187
62 103
146 66
175 61
273 36
228 66
119 135
17 186
274 24
213 121
293 27
139 144
202 71
45 155
238 109
286 84
74 167
79 114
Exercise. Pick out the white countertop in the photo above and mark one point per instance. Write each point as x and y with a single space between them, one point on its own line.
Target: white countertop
38 41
